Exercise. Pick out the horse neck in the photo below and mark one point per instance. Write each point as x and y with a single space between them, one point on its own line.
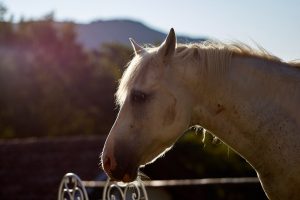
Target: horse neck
245 106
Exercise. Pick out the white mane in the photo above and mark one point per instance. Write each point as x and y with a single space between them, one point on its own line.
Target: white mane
211 56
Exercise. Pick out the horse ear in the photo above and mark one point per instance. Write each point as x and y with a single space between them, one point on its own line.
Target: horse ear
167 48
136 47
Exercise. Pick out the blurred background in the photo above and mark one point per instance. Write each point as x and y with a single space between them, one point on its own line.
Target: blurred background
60 62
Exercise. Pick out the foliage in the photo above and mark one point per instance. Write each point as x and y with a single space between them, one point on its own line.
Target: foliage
192 158
50 85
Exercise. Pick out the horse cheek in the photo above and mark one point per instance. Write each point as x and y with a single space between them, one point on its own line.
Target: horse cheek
169 115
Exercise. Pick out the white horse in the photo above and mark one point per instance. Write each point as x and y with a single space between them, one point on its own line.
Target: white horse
247 98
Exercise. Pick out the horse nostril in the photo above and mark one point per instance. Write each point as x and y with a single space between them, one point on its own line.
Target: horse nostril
107 164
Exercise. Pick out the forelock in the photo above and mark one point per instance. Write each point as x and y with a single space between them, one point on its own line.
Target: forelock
134 67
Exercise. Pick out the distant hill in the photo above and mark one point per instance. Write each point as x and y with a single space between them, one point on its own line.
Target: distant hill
93 35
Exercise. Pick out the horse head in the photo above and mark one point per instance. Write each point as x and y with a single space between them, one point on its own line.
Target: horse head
154 111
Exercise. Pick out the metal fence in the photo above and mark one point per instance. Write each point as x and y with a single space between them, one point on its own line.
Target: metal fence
73 188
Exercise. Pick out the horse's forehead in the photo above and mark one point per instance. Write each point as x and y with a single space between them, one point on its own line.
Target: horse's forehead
147 73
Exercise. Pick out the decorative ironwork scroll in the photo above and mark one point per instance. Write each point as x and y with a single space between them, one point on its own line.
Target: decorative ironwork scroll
71 188
120 191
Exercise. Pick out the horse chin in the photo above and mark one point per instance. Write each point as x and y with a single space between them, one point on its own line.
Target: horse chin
127 178
124 175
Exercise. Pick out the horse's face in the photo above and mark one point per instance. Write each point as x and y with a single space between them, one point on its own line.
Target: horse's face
153 113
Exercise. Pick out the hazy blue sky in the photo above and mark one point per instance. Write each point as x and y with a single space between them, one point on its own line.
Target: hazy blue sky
274 24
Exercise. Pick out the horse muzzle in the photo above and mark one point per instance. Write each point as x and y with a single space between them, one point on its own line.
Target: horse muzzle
120 166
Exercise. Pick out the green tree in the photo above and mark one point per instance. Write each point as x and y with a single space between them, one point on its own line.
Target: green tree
6 27
3 11
50 86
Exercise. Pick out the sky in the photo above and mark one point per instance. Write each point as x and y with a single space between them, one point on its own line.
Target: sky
273 24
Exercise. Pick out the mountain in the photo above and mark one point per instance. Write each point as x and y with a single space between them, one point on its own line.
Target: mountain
93 35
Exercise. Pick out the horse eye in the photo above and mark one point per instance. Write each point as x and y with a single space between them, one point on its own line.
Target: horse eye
138 97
